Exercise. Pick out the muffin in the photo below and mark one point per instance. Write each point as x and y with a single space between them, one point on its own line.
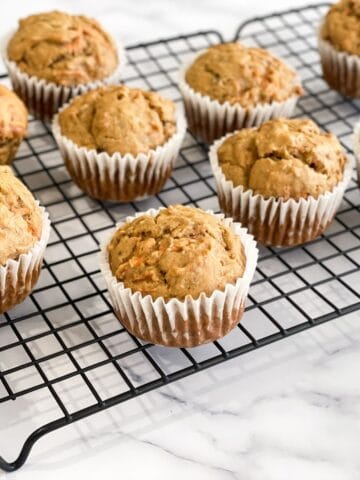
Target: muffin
178 276
339 47
283 180
119 143
54 56
13 124
24 232
231 86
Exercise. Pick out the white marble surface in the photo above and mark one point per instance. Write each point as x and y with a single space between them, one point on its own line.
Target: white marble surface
134 21
287 411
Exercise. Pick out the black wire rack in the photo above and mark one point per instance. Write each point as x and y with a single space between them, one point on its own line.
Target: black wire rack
64 337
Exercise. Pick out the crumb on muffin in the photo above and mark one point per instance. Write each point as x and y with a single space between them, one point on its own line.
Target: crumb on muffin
181 251
287 158
119 119
61 48
341 26
20 217
247 76
13 124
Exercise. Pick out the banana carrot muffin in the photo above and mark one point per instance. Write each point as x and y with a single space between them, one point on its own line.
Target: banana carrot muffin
283 180
185 273
230 86
13 124
339 45
24 232
119 143
119 119
54 55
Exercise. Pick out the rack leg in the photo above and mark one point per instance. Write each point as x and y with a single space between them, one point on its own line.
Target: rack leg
29 443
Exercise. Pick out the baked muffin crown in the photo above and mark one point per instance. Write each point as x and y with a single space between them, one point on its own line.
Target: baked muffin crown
13 115
181 251
61 48
20 217
287 158
234 73
119 119
341 26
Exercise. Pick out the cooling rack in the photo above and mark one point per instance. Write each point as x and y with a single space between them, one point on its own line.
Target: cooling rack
64 340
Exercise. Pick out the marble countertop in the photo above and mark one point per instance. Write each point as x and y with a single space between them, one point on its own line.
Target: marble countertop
287 411
141 20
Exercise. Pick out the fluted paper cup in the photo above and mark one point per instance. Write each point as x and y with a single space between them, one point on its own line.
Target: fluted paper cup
209 119
341 70
117 177
42 98
176 323
18 277
274 221
356 147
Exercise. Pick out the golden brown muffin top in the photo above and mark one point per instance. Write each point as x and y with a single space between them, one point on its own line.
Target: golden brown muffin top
341 26
119 119
64 49
247 76
287 158
181 251
13 115
20 217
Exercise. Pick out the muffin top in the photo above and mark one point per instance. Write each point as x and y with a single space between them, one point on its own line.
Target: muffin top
13 115
341 26
119 119
234 73
20 217
181 251
64 49
287 158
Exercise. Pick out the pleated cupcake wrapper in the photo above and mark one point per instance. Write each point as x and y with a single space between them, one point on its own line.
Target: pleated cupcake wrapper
117 177
18 277
356 148
209 119
42 98
177 323
341 70
274 221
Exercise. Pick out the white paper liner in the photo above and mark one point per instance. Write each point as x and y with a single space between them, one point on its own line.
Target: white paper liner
356 148
341 70
18 277
177 323
274 221
42 98
120 177
209 119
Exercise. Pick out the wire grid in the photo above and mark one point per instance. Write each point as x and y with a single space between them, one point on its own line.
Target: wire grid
65 340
